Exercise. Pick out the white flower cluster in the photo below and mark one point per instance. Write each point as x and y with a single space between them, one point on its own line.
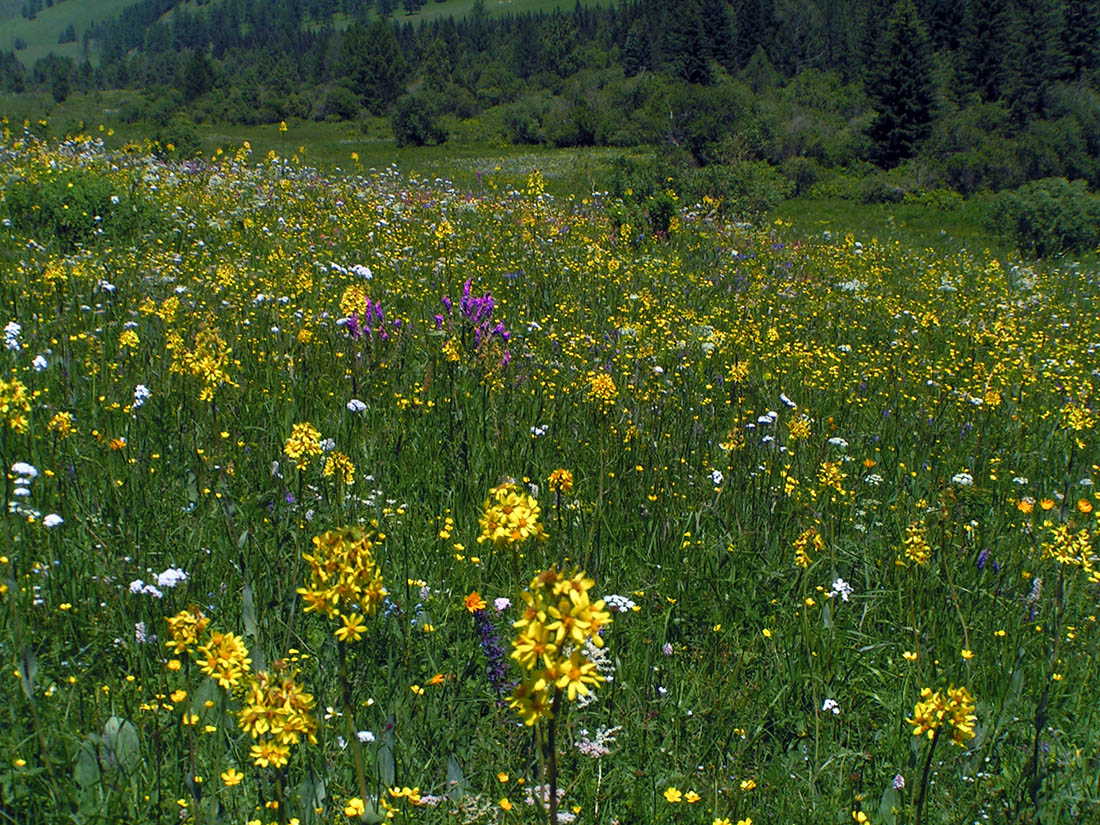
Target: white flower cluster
618 604
11 335
141 395
166 580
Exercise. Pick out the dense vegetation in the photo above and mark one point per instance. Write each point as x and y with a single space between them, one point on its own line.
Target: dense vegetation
835 498
863 98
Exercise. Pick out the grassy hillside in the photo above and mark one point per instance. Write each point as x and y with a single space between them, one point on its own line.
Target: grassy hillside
41 33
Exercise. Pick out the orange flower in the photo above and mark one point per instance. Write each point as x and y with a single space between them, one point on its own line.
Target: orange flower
474 602
1084 506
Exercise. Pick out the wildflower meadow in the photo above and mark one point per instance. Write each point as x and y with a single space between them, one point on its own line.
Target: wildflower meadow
355 497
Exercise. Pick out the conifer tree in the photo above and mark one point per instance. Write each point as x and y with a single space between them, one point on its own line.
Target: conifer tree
718 26
688 45
900 84
1081 37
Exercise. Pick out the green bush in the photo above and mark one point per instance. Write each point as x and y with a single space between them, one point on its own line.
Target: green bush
415 122
73 206
744 188
1048 216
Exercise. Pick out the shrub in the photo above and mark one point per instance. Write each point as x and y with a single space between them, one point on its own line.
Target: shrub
414 122
73 205
744 188
1048 216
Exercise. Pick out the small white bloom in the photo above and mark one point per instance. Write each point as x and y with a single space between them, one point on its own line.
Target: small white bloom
365 736
658 370
787 401
837 441
716 478
52 520
328 445
963 479
141 394
22 468
501 604
356 406
39 363
171 577
21 492
363 272
831 705
840 588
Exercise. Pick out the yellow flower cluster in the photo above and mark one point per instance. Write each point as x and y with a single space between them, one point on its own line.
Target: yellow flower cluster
809 538
1073 549
561 480
952 710
830 476
62 424
558 621
510 517
207 361
15 403
340 465
345 582
602 390
799 428
224 658
304 443
276 713
185 628
915 543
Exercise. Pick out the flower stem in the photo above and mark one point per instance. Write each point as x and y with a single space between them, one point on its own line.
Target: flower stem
349 721
924 774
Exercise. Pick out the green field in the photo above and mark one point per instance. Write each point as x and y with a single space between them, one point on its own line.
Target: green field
333 494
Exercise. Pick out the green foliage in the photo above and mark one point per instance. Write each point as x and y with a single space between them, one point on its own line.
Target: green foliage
74 206
900 84
1047 217
415 121
746 188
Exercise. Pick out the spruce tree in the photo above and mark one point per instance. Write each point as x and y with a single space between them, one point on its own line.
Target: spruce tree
901 87
688 45
718 26
635 54
984 46
1081 37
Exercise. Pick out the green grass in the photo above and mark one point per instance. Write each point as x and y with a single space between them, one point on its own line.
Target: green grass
913 225
749 414
41 33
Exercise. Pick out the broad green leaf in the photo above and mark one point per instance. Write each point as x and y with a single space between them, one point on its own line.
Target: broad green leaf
387 762
86 769
28 669
456 780
885 815
121 739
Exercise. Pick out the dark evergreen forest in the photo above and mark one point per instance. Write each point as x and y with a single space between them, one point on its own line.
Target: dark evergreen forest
962 94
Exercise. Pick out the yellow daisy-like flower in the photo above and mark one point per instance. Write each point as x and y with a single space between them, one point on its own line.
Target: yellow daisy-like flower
353 629
673 795
232 777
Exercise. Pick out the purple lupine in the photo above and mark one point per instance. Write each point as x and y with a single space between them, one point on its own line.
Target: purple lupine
496 668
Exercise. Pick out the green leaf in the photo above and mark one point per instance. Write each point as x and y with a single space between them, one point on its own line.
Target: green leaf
121 737
827 616
886 806
456 780
387 762
28 669
86 769
312 794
